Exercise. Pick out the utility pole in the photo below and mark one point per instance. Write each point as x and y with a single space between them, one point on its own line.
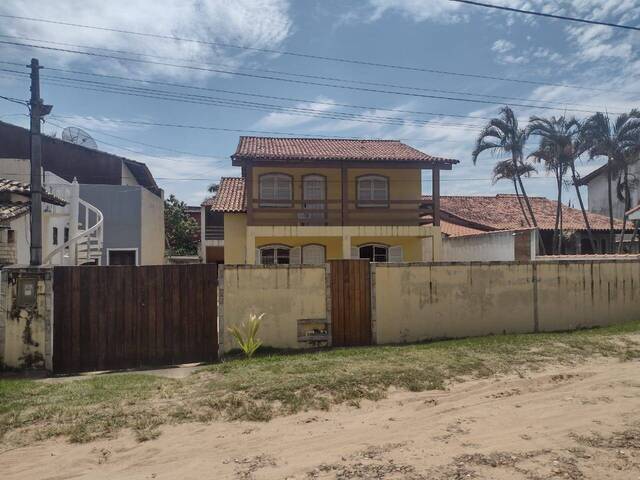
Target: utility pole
37 111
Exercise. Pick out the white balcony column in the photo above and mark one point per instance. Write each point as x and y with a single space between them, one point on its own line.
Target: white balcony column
74 206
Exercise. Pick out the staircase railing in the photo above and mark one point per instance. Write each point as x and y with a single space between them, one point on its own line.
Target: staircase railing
91 238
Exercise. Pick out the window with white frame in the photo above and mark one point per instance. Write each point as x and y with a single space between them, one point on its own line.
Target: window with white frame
373 191
313 255
274 255
275 190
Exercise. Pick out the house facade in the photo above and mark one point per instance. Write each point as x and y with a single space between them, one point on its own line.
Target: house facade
305 201
598 192
120 192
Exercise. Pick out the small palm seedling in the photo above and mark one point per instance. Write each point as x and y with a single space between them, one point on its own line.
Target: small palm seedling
247 334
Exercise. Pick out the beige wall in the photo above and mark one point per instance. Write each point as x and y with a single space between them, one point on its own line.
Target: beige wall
283 294
152 239
235 238
448 300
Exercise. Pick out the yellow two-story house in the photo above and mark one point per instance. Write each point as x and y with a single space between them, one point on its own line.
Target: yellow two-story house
308 200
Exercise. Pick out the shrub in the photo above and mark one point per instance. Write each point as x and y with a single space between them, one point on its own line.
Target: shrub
247 334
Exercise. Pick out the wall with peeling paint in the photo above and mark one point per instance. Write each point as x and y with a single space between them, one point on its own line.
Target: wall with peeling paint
415 302
26 331
283 293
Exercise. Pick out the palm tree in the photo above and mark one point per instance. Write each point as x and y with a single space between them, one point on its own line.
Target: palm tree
613 140
503 135
559 149
213 188
504 170
631 155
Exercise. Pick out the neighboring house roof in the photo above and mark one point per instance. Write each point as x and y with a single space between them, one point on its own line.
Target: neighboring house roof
69 160
272 148
19 188
208 202
592 175
455 230
230 197
11 210
503 212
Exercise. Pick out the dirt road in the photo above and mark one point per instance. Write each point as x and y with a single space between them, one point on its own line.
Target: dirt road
576 423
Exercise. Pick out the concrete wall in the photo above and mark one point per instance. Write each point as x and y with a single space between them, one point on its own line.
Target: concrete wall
446 300
152 238
284 294
26 336
490 247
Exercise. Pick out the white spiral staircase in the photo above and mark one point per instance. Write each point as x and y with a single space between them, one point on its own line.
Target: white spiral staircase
85 243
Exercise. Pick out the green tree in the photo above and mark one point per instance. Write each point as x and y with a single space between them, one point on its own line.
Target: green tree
615 141
503 135
181 230
504 170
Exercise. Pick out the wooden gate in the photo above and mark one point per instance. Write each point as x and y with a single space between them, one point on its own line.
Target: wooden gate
350 303
120 317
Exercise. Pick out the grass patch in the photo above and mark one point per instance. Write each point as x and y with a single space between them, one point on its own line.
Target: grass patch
273 384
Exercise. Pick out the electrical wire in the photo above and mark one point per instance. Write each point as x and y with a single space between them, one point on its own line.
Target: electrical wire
302 55
547 15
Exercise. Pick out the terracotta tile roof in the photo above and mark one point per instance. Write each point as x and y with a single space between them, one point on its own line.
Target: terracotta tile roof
19 188
11 210
208 202
230 196
454 230
503 212
272 148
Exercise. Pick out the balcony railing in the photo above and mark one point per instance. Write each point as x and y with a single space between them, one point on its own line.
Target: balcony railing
394 213
214 232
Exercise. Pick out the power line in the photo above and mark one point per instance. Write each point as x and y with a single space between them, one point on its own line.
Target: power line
300 75
303 55
548 15
14 100
302 82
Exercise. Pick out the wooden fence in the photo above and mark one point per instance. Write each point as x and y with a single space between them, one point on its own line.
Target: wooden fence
121 317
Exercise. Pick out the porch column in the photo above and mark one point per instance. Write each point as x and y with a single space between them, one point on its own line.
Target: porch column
344 184
346 247
250 257
435 196
436 246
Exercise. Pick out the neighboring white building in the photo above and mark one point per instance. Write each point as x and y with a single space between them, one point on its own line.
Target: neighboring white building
598 200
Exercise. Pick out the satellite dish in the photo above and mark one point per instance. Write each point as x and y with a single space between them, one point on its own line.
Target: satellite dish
79 137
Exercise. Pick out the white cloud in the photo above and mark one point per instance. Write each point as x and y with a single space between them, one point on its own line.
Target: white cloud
305 111
502 46
418 10
256 23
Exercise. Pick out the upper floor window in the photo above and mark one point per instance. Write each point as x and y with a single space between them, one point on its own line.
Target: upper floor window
373 191
275 190
274 255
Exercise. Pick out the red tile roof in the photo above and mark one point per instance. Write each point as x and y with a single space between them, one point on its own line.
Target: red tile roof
272 148
19 188
230 197
503 212
633 210
11 210
455 230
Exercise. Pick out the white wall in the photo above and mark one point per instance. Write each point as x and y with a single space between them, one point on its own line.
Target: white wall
598 200
486 247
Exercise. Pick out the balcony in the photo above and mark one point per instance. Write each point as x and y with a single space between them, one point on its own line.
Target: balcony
331 213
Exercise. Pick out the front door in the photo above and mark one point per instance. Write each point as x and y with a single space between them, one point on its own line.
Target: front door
314 190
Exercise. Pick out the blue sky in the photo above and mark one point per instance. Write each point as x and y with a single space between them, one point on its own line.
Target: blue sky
429 34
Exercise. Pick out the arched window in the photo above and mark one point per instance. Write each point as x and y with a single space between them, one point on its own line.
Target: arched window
373 191
374 252
274 255
275 190
313 255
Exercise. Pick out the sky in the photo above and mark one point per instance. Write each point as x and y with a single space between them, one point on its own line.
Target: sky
188 71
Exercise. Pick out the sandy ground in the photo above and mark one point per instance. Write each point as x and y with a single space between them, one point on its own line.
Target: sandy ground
582 422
